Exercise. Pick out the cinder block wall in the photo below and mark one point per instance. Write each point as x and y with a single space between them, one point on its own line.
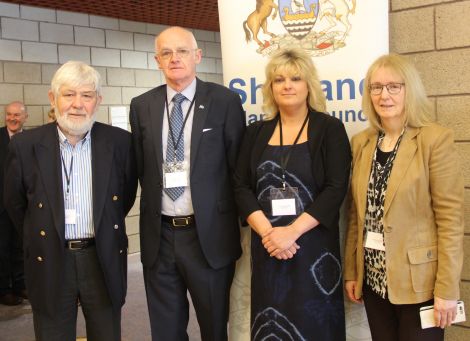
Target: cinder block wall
436 35
35 41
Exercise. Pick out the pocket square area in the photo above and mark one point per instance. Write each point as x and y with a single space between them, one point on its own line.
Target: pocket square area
206 129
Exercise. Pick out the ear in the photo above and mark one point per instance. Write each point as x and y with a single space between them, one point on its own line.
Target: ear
158 62
198 56
51 96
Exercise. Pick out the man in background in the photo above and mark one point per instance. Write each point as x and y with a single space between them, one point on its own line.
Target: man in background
12 286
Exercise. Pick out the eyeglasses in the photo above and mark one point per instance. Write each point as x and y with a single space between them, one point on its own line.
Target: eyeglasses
180 53
392 88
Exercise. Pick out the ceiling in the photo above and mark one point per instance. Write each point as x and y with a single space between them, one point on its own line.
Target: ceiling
199 14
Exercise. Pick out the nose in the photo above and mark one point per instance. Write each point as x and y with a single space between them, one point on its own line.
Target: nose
174 57
384 93
287 83
77 101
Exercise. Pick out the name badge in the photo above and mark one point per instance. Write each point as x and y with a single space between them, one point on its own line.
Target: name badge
70 216
176 179
283 207
375 240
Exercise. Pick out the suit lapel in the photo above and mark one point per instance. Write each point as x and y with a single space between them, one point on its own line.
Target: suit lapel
201 108
363 166
47 155
156 111
405 153
101 164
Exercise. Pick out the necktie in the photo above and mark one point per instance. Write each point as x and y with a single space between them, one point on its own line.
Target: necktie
176 124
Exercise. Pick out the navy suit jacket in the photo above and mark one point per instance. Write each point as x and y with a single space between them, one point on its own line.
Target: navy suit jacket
34 200
218 126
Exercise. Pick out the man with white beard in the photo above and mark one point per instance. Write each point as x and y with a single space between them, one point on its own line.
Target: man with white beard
70 185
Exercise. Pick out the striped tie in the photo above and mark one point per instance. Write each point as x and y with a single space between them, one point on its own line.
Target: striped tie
176 123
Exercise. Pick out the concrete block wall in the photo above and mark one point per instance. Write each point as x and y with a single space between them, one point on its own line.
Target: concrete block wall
436 35
35 41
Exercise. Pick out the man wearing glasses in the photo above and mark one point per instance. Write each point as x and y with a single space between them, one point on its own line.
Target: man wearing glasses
186 136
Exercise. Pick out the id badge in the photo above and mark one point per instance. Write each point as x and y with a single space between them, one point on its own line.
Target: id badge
283 201
375 240
176 179
175 174
70 216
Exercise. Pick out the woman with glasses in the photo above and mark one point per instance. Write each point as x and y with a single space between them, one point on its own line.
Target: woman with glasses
404 244
291 177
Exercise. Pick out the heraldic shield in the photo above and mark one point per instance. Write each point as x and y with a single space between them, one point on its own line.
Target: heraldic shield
298 16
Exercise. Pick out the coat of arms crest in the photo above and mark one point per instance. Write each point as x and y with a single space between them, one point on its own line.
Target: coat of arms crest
319 26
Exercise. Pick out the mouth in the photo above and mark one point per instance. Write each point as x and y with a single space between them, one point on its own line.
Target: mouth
76 115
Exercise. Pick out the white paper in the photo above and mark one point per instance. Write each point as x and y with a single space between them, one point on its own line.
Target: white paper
283 207
176 179
70 216
375 240
427 315
119 117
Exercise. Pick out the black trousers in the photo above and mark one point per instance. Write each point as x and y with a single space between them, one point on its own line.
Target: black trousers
83 280
11 257
397 322
182 267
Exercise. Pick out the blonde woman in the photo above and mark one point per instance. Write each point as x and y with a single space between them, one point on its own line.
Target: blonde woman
291 178
404 240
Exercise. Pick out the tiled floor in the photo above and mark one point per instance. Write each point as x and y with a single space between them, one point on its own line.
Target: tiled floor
16 323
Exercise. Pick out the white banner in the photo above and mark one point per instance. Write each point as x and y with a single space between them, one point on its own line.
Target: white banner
343 37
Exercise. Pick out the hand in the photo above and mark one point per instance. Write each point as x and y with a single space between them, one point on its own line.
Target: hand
279 239
444 311
351 288
287 254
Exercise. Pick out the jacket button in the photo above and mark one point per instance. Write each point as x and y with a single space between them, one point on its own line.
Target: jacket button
115 197
120 251
388 228
429 254
39 259
42 233
116 227
40 205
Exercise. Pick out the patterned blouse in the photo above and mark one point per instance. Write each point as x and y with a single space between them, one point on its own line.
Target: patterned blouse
374 260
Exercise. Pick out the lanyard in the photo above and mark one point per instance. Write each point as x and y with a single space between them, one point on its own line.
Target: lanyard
67 174
176 143
285 157
379 180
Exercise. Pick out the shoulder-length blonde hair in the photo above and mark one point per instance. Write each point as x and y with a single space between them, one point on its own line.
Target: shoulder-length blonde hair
294 61
417 105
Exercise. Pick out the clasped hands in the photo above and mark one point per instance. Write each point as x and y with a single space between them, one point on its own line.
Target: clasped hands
280 242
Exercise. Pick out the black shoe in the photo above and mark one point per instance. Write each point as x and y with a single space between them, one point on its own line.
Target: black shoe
10 299
22 293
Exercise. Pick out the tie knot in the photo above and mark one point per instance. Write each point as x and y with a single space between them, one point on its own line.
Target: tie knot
178 98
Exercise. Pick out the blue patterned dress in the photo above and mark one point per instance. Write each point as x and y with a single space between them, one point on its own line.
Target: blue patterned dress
301 298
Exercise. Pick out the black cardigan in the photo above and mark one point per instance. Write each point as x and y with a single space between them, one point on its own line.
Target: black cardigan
331 162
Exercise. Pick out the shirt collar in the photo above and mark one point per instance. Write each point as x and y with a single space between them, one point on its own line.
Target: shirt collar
189 92
10 134
63 139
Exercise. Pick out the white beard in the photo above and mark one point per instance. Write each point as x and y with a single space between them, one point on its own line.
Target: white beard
72 127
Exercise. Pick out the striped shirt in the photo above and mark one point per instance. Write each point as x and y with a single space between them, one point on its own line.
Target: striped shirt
80 194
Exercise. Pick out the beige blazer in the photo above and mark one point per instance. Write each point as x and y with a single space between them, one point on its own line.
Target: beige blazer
423 215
